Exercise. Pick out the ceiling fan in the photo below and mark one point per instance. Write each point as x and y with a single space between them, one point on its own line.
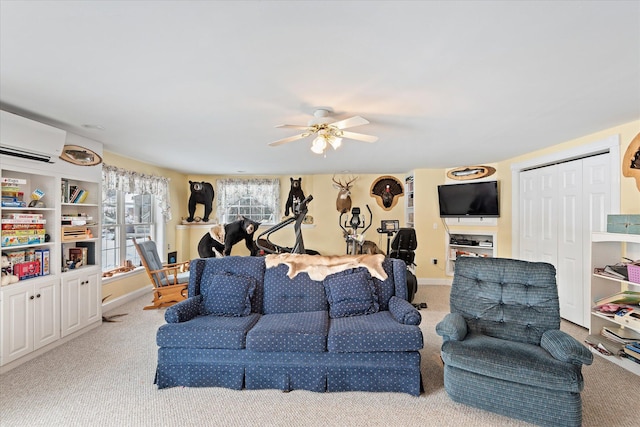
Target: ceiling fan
328 131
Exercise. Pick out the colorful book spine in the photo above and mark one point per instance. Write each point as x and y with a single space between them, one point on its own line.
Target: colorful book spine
43 257
12 181
22 226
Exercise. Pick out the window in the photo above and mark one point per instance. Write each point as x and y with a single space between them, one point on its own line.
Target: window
127 216
134 205
256 199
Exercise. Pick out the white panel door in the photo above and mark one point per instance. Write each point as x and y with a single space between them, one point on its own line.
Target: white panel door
538 215
560 205
529 229
596 200
548 215
570 242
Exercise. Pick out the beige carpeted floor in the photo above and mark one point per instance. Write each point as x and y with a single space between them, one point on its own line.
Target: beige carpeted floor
105 378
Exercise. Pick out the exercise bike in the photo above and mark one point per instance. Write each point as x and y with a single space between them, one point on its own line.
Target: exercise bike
355 240
300 210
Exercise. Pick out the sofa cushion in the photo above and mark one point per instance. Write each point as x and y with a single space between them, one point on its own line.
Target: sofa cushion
351 293
290 332
512 361
285 295
207 332
372 333
202 271
227 295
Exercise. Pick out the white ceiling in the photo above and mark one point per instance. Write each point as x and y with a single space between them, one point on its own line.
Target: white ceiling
199 86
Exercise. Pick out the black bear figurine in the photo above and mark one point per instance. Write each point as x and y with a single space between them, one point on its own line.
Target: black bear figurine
295 193
201 192
221 238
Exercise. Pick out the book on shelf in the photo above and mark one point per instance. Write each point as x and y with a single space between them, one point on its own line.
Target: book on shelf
81 196
76 254
43 256
28 216
19 204
632 351
603 345
619 334
621 298
12 181
8 222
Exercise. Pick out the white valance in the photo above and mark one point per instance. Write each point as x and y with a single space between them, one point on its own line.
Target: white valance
114 178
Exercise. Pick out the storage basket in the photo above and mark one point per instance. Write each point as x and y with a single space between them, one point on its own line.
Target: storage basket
633 271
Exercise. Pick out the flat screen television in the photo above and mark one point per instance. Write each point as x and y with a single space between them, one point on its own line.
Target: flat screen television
477 199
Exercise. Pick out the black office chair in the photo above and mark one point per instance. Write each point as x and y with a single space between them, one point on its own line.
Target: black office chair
403 247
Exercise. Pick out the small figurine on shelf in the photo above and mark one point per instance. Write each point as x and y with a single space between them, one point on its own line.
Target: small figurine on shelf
7 272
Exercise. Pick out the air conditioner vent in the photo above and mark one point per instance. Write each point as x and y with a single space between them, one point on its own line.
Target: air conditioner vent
23 154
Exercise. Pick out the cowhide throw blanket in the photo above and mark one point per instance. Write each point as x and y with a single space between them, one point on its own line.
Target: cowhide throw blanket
319 267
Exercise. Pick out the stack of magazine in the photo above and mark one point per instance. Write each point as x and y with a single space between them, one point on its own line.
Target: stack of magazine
612 304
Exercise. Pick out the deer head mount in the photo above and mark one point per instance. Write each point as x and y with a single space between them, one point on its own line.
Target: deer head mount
343 202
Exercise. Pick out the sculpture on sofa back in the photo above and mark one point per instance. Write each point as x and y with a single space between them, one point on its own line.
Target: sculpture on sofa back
502 347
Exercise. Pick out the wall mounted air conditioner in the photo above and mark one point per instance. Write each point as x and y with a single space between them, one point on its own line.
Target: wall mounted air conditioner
28 139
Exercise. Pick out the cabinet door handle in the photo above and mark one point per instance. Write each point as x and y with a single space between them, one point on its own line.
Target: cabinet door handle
38 296
31 297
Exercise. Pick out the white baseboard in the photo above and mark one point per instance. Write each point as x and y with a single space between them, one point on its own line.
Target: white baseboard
439 282
110 305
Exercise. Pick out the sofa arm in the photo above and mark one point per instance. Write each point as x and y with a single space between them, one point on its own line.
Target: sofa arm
565 348
404 312
184 310
452 328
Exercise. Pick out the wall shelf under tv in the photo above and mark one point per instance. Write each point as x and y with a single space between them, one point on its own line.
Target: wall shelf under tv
475 221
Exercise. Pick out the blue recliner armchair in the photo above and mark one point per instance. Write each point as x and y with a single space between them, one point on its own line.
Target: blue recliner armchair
502 348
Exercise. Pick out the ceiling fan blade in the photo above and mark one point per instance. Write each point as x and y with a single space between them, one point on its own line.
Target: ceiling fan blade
359 136
350 122
289 139
301 127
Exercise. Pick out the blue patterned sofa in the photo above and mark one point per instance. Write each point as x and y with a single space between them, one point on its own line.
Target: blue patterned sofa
502 347
248 326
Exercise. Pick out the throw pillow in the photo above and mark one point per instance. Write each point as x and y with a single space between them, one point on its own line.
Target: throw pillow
351 293
227 295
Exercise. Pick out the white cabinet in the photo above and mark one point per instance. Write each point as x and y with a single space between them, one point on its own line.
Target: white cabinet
40 310
609 249
468 243
81 299
30 317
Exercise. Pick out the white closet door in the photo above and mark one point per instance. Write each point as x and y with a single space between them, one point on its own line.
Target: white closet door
538 215
529 228
570 242
596 202
548 216
560 205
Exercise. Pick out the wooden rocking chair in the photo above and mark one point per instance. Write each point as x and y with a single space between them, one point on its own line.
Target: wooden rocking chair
169 281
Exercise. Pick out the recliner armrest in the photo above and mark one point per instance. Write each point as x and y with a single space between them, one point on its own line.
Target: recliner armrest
184 310
565 348
404 312
452 328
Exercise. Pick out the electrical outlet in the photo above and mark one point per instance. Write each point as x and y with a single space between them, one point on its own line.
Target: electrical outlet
434 261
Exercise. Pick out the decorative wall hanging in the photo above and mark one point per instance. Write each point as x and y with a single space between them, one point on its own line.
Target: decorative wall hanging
470 172
80 156
386 190
631 161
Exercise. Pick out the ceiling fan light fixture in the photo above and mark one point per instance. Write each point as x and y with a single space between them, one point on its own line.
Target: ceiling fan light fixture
319 145
335 142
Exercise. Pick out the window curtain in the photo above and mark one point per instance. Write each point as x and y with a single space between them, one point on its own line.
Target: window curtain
266 191
114 178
